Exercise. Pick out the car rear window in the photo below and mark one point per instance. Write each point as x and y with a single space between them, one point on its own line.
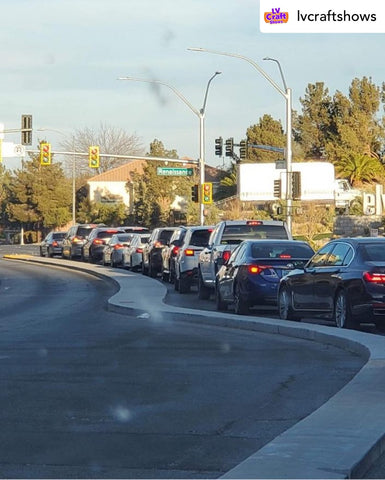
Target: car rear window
234 234
374 252
281 251
106 233
59 235
83 231
200 238
165 235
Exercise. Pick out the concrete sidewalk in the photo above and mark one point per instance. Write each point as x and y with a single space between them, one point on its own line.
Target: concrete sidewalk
339 440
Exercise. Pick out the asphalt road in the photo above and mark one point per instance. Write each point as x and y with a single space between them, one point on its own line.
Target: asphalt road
88 393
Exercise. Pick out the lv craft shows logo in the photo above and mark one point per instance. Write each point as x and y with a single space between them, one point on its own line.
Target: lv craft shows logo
276 16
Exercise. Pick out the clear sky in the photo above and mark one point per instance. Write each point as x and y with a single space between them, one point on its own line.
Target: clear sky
60 60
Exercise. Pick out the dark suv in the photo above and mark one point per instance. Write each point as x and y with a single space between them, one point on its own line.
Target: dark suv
92 250
169 253
75 239
152 251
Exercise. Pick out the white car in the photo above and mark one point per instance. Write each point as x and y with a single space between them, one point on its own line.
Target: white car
114 249
132 255
186 260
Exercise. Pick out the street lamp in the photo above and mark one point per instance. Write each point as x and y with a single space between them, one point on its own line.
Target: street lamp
287 95
201 115
73 172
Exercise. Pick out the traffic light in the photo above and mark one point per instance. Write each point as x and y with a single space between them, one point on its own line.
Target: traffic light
219 146
207 193
277 188
26 129
229 147
243 149
93 156
194 193
45 153
296 185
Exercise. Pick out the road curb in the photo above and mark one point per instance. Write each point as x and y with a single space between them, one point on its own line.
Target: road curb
341 439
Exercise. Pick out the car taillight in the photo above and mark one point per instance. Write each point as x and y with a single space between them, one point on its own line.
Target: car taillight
98 241
373 277
54 243
77 239
158 244
139 250
254 222
226 255
285 255
189 252
256 269
175 250
117 246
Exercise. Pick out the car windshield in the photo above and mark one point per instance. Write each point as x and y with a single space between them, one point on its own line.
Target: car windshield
238 233
281 250
124 238
373 252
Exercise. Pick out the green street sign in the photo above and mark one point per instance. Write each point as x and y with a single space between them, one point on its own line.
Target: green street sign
175 171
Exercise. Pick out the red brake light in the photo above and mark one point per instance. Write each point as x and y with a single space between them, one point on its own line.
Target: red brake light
253 222
374 277
189 252
285 255
54 243
175 250
117 246
139 250
158 244
226 255
256 269
98 241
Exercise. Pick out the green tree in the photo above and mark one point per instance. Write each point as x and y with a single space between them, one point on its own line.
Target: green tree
266 132
97 212
359 168
39 196
355 127
155 194
312 128
228 184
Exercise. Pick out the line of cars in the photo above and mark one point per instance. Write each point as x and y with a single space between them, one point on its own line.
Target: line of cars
243 264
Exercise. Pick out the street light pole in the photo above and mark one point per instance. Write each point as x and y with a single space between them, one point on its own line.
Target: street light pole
287 95
201 115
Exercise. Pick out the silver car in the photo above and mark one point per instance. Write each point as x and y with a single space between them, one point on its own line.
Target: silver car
114 249
132 255
186 260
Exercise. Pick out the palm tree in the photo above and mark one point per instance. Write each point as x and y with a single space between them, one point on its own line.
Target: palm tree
359 168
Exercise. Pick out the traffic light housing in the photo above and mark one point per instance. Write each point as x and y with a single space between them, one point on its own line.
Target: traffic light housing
219 146
26 129
93 156
195 193
45 153
243 149
296 185
229 147
277 188
207 193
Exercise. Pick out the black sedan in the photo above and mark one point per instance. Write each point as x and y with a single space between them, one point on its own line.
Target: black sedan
52 244
251 275
344 280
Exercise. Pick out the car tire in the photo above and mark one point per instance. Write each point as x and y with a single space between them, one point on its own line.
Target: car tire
176 284
151 271
184 285
285 308
165 276
221 306
241 306
203 291
342 314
